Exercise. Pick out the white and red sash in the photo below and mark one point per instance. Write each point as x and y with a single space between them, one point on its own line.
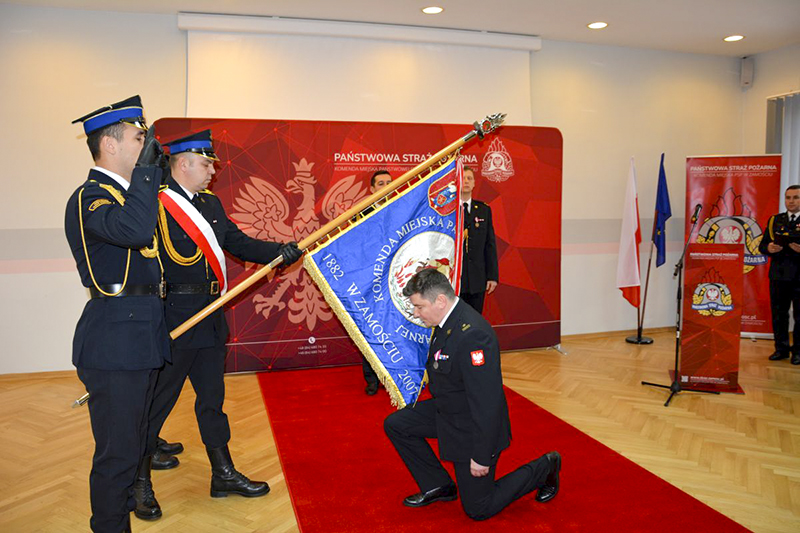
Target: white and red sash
199 230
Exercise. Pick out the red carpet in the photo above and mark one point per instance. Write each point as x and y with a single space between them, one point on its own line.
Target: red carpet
345 476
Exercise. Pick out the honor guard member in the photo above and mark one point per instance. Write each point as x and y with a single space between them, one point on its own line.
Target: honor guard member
194 229
121 337
479 273
781 242
468 414
378 181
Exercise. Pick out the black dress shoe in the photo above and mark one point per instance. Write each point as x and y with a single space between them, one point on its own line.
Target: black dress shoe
169 448
225 479
372 389
777 356
163 461
446 493
796 358
549 490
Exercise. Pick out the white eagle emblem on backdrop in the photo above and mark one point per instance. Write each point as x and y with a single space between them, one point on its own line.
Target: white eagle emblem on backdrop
262 211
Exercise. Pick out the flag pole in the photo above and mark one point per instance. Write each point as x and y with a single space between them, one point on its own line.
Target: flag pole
638 339
479 129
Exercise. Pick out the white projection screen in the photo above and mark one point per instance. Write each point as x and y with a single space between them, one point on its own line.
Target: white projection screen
300 77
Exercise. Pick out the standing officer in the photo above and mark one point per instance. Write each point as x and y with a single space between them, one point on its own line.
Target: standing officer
121 337
780 243
378 181
479 273
468 413
194 230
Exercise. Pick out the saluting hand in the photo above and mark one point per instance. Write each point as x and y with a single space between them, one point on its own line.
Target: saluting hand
477 470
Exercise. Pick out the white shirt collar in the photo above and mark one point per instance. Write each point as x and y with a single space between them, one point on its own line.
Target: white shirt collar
469 204
455 302
114 176
188 193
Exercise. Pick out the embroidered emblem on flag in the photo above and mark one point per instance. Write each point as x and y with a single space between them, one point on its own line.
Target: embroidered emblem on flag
477 357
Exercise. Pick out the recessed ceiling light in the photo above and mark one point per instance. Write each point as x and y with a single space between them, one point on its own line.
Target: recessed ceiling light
432 10
597 25
733 38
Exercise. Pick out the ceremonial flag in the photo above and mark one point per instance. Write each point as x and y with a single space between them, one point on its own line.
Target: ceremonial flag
362 272
628 277
663 212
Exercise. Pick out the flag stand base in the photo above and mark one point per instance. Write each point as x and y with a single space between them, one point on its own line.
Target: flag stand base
638 339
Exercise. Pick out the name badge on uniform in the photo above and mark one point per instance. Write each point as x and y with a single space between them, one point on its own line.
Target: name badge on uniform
477 358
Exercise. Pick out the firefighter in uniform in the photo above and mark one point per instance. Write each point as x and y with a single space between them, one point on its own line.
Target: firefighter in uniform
121 337
468 414
479 272
194 229
780 243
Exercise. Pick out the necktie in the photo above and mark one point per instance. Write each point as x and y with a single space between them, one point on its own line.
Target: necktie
466 214
196 201
791 218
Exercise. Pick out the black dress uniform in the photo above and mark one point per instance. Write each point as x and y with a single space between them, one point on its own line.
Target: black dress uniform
121 337
784 282
479 263
468 415
198 354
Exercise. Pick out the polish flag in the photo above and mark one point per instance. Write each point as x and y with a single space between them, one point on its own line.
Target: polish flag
628 275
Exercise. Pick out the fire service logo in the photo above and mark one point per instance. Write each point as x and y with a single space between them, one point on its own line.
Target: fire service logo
431 249
712 296
731 222
497 164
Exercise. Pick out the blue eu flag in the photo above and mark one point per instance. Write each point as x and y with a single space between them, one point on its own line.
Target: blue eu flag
663 212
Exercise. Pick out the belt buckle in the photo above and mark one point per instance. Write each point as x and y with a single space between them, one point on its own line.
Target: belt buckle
162 290
214 288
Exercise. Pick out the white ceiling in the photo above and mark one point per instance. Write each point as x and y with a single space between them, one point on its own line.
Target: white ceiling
695 26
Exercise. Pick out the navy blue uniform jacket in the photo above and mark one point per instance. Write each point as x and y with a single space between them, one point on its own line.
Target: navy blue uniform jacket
124 333
480 254
213 331
467 385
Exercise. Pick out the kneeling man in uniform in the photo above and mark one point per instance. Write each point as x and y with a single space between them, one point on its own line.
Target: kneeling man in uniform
468 413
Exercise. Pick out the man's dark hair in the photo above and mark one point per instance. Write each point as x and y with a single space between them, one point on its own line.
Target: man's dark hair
116 131
429 283
470 169
792 187
378 173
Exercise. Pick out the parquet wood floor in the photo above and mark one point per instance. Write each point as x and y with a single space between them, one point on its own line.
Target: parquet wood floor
740 454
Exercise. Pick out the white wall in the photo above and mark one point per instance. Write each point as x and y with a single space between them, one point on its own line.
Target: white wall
776 72
610 103
56 65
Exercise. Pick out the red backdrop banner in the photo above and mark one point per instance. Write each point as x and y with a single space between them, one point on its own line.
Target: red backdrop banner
712 314
281 180
738 194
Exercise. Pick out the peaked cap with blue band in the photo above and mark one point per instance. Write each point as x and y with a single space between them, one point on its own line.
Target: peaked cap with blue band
199 143
129 111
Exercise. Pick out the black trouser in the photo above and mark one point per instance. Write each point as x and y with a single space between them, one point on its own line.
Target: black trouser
782 294
205 368
475 299
369 374
481 497
119 403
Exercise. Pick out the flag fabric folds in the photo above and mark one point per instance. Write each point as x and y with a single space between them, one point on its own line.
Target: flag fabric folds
362 272
628 275
663 213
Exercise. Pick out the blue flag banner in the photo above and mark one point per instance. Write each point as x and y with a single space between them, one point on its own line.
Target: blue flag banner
663 212
362 272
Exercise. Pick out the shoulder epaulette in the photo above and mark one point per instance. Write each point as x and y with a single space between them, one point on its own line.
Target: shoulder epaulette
163 187
206 191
